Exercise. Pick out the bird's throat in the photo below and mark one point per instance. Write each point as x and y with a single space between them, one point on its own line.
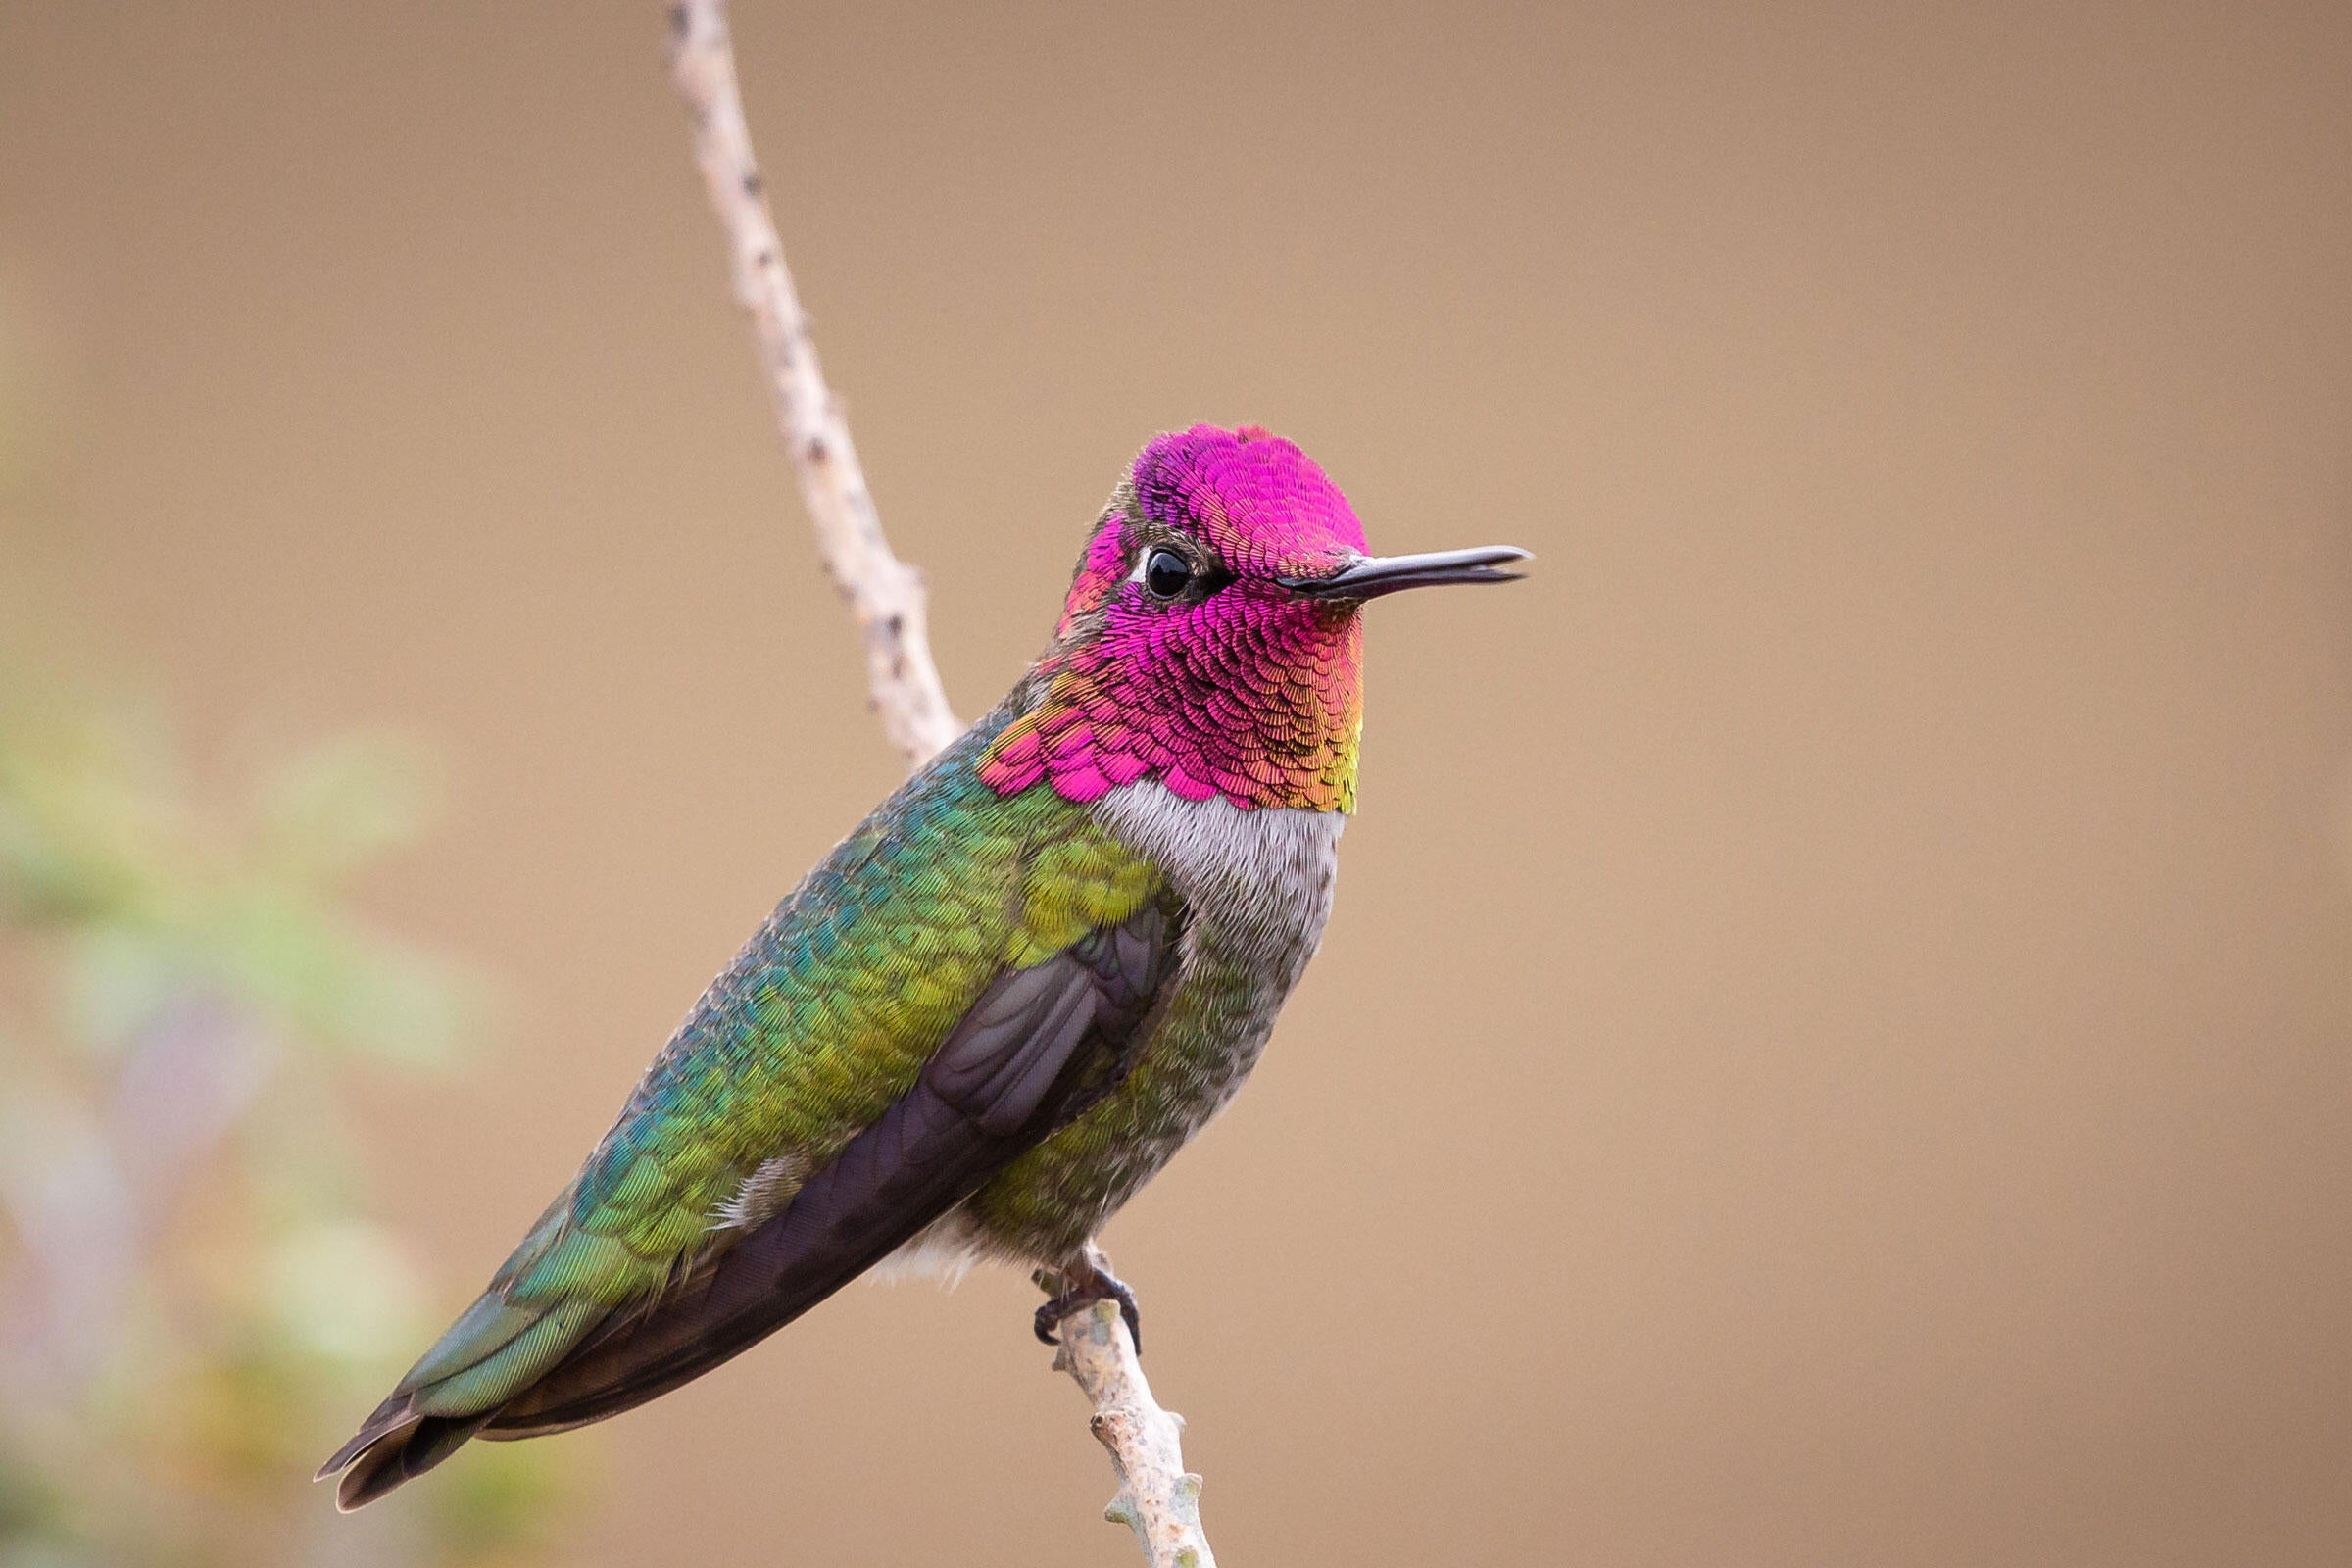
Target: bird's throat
1261 702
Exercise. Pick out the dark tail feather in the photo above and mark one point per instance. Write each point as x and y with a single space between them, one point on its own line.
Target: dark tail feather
458 1389
403 1453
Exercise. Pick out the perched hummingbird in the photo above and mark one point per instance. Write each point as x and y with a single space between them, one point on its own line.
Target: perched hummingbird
1003 1003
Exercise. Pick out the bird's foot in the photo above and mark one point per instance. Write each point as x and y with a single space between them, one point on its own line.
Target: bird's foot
1080 1285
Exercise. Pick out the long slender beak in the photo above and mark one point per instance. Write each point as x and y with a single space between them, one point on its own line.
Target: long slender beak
1375 576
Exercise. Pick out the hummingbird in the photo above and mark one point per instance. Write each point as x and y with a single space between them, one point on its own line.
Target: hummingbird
999 1006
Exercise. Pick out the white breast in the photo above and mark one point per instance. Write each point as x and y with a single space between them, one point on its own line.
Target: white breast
1262 876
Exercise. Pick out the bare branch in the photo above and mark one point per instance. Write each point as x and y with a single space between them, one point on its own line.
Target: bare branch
1157 1498
884 592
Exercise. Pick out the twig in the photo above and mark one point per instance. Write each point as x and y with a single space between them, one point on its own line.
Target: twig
884 592
1155 1496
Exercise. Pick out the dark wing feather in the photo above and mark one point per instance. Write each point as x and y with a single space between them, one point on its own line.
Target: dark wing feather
1038 1046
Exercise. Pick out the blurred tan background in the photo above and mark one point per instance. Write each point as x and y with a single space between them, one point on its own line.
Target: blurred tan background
1833 1043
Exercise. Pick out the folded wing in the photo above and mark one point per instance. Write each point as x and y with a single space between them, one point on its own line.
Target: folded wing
1039 1044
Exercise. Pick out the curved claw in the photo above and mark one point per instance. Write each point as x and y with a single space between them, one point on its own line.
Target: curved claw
1096 1284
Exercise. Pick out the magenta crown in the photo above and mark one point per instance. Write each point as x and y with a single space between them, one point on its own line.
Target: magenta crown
1252 693
1265 507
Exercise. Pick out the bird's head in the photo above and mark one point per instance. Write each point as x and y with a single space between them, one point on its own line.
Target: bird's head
1210 639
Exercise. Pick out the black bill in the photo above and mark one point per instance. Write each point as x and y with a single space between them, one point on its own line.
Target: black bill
1375 576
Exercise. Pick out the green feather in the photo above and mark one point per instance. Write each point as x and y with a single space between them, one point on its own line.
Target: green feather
822 1021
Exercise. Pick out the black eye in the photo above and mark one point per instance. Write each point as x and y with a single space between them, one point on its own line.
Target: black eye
1167 573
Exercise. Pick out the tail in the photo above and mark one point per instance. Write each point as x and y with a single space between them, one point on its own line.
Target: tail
492 1353
392 1449
509 1337
538 1353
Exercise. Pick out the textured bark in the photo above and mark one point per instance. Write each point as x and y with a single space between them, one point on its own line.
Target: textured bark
1157 1498
884 592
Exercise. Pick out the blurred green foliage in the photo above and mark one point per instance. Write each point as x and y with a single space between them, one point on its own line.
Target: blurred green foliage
194 1307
